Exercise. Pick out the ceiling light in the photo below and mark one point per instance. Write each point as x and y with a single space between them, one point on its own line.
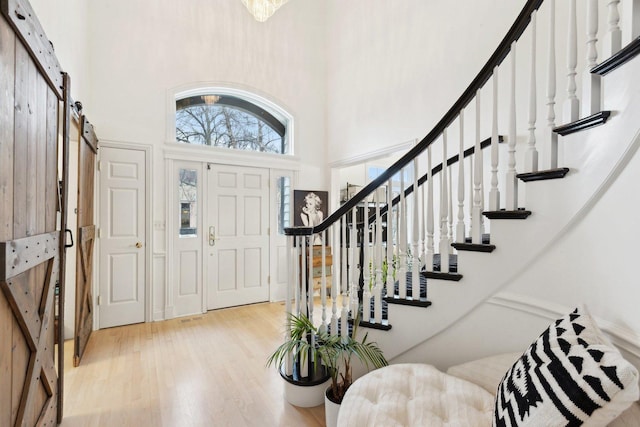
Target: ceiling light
263 9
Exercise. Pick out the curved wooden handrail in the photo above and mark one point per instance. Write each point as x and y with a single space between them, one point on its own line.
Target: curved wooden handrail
501 52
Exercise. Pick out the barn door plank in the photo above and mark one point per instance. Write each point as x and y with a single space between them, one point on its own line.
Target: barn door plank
51 161
86 238
21 16
7 85
20 143
63 202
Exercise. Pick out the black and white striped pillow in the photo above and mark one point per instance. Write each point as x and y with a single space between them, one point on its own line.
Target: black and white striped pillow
570 376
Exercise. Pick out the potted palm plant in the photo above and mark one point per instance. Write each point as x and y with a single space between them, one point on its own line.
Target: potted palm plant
333 351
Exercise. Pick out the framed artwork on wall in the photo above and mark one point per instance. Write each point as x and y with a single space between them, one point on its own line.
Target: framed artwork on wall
310 209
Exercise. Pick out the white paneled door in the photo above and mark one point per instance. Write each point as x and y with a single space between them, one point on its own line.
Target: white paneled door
122 236
237 243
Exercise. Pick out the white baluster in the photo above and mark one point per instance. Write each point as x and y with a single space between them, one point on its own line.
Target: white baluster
531 156
460 227
551 88
415 262
423 225
613 38
511 181
336 273
476 215
346 268
390 255
308 288
403 240
323 282
396 216
452 237
591 82
304 365
428 262
571 104
494 193
377 290
297 279
367 266
304 307
470 201
445 243
353 277
293 282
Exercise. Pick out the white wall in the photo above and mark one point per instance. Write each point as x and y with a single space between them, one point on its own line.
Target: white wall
395 68
65 24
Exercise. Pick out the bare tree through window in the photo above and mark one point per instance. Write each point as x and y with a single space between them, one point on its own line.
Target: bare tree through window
229 122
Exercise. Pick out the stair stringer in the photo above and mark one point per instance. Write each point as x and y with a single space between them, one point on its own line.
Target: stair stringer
595 157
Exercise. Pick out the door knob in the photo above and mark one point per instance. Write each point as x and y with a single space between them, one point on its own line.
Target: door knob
138 245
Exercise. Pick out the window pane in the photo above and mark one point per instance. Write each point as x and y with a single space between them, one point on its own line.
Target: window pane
230 122
283 201
188 193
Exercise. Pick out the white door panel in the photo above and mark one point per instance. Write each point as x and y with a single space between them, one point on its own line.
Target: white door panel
122 240
238 222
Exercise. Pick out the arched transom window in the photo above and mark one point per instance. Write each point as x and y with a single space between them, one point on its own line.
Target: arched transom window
220 120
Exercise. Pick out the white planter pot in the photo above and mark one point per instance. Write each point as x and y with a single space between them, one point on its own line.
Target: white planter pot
304 396
331 411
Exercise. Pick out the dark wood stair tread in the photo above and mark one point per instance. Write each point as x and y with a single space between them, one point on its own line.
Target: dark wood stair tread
504 214
383 326
474 247
593 120
543 175
421 302
454 277
622 56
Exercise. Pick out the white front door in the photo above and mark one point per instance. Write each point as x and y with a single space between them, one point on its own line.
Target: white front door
122 237
237 222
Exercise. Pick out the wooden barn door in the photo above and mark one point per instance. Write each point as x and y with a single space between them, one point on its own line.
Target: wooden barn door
30 238
87 151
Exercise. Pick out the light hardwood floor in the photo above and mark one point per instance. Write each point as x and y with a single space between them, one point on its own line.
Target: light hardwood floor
204 370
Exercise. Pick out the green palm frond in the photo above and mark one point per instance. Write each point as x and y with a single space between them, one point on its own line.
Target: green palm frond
333 351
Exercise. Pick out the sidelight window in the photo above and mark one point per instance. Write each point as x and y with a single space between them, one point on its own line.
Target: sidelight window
188 195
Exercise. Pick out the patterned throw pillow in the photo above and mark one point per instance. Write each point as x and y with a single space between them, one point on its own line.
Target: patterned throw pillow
570 376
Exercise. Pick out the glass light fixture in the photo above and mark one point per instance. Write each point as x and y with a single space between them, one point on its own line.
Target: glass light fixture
263 9
210 99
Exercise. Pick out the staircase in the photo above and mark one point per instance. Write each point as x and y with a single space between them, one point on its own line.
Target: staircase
461 228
